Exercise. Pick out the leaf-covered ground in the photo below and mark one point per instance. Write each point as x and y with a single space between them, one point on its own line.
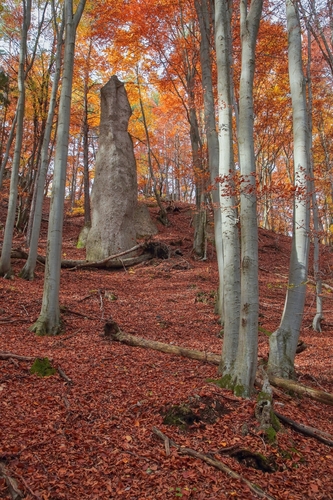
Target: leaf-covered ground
93 439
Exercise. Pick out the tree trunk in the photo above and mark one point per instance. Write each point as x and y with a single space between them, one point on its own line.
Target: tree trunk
86 181
112 331
283 342
8 146
316 323
162 215
27 271
246 362
48 322
229 264
203 14
5 265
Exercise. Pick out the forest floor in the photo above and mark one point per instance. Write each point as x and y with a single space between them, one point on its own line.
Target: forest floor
93 439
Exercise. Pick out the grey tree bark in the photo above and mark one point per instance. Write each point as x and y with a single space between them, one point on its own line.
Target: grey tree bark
240 271
316 323
28 269
87 211
49 322
204 16
114 194
283 342
5 263
7 150
246 362
229 261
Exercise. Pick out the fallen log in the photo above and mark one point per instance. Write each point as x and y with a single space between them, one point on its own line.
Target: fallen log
211 461
321 436
103 264
9 355
208 357
302 390
134 341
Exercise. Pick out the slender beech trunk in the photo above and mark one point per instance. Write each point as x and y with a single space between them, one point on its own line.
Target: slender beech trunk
5 263
8 146
49 322
283 342
246 362
85 126
204 15
230 258
316 323
240 272
162 215
27 271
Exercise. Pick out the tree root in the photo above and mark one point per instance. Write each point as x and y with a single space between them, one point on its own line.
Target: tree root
210 461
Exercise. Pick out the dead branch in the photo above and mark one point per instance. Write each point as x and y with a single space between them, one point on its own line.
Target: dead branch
64 376
73 265
321 436
6 322
132 340
66 310
215 463
8 355
105 261
289 385
12 486
152 249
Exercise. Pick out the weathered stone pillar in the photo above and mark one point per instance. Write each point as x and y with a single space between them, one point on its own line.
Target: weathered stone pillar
114 193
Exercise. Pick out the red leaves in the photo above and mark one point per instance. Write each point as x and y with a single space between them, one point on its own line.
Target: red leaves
94 437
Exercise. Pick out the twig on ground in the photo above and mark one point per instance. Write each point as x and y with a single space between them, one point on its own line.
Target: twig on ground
27 486
102 304
64 376
66 338
215 463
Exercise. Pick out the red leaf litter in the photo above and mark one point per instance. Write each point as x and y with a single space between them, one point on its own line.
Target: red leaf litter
93 439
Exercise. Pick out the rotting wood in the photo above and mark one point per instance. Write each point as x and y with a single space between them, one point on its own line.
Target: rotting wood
11 483
151 250
211 461
72 265
132 340
292 385
8 355
208 357
321 436
105 261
